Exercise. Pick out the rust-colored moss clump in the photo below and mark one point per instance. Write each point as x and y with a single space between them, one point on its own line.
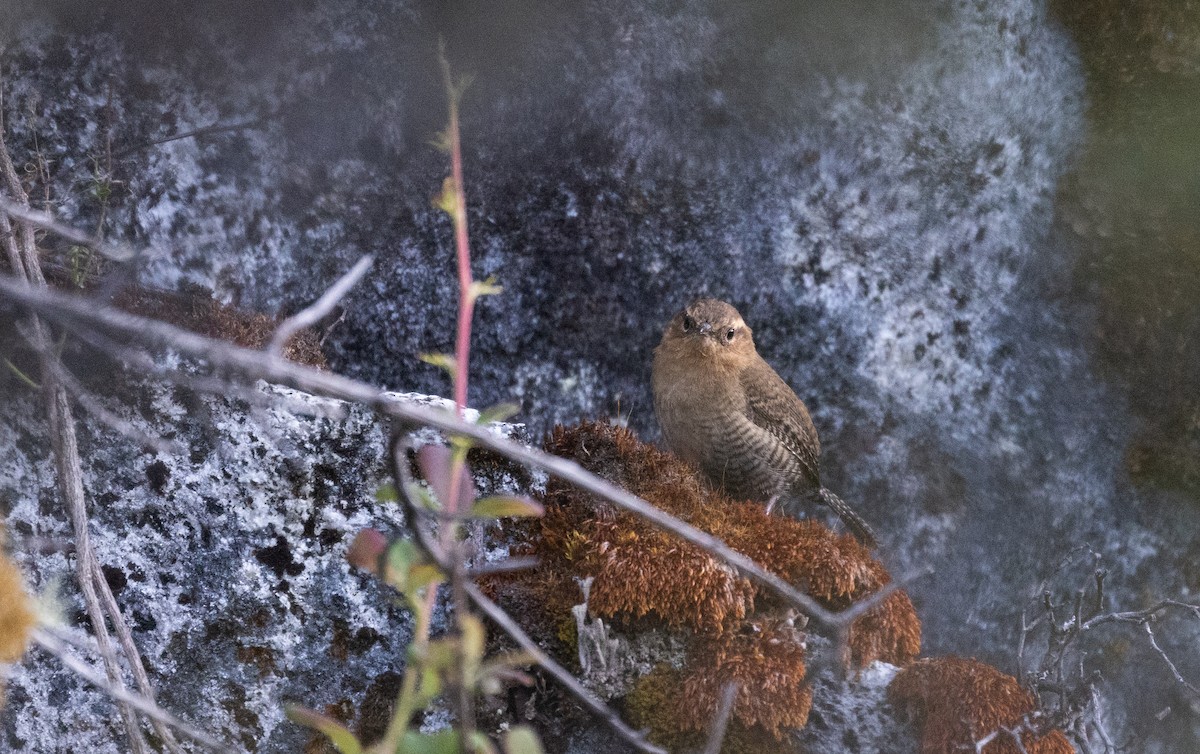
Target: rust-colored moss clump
641 571
17 617
738 633
835 569
766 662
957 701
654 706
196 310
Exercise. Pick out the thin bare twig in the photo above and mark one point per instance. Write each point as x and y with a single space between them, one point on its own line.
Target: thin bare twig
132 655
81 311
117 253
57 647
1013 733
1174 670
716 733
202 131
1141 616
313 313
22 249
558 672
1076 708
124 635
508 565
96 409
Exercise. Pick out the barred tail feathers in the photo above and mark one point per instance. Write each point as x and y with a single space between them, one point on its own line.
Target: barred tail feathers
852 520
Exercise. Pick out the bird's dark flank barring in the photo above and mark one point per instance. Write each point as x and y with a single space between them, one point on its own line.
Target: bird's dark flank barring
725 410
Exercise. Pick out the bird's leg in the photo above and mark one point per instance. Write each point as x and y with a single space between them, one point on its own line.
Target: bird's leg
771 503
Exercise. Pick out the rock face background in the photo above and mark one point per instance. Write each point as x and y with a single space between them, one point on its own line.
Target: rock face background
879 189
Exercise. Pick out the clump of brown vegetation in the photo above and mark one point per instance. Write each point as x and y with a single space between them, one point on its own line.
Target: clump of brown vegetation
642 576
639 570
956 702
17 617
195 309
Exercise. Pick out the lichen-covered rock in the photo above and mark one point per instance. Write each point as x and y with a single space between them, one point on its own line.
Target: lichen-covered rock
228 561
854 716
876 188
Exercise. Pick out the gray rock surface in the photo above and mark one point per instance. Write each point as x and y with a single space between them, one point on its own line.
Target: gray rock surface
228 562
874 188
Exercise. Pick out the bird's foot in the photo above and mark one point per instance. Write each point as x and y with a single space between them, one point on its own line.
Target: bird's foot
771 503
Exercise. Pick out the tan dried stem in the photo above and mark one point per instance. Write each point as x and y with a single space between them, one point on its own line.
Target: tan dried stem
22 252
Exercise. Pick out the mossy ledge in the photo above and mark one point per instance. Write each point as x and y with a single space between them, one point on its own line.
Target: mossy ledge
956 701
645 578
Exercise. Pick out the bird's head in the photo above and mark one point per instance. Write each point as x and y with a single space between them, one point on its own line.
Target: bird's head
711 329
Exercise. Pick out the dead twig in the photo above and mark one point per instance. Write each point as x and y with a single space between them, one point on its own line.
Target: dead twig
558 672
716 733
312 314
22 252
96 409
36 218
215 128
83 312
1076 707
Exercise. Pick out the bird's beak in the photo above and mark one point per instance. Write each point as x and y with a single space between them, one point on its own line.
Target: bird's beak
705 328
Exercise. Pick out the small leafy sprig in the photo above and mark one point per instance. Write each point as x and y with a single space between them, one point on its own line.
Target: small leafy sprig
453 666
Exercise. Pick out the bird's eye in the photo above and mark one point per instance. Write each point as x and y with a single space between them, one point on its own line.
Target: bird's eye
689 324
730 333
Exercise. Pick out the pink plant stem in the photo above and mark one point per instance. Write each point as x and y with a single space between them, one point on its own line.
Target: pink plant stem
466 305
466 302
462 346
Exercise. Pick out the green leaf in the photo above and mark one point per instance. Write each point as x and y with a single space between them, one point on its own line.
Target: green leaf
471 647
341 738
505 669
441 360
500 506
425 575
461 445
424 497
447 201
522 740
473 635
387 493
463 84
480 744
498 413
430 685
442 742
441 141
484 288
403 559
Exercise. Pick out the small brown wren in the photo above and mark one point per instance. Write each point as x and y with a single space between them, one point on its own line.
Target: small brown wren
725 410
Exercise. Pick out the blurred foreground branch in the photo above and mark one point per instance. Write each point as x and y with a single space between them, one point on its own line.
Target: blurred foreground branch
19 242
88 315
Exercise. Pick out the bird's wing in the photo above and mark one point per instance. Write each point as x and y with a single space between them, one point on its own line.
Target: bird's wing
774 407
